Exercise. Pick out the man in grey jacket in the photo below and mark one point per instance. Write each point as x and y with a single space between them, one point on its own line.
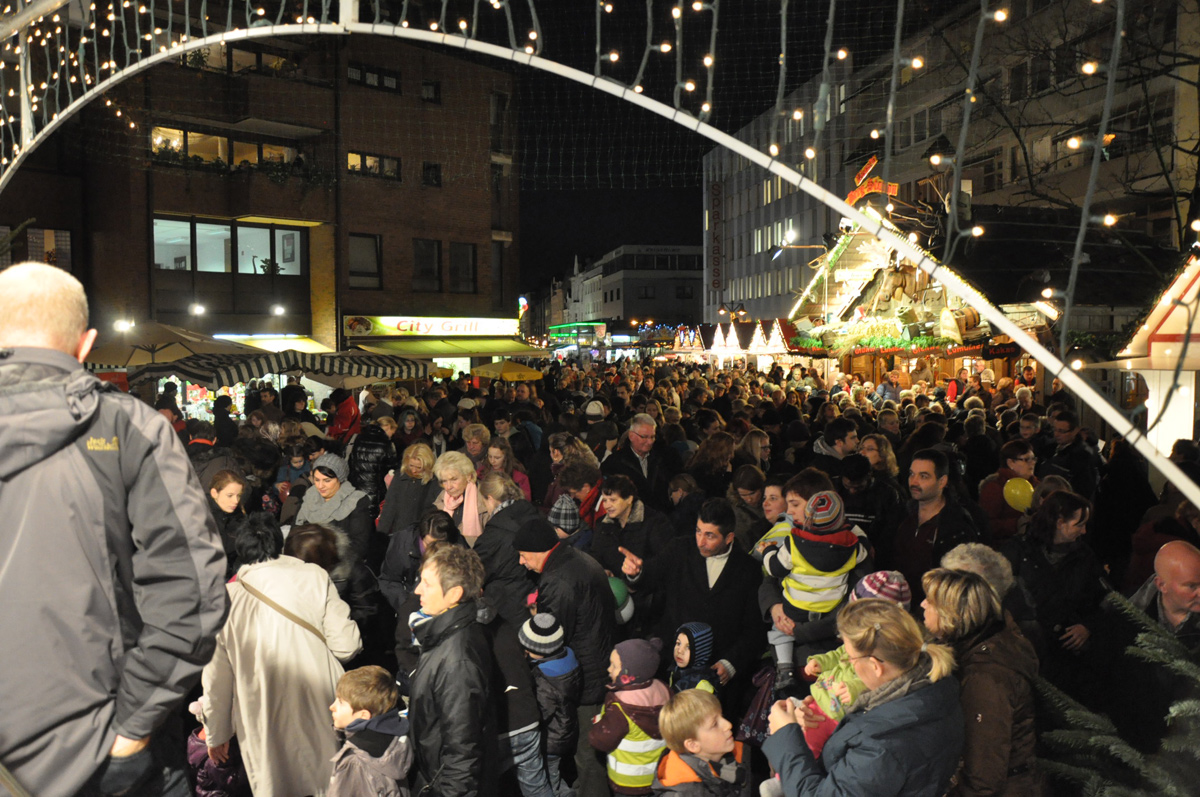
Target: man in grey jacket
111 568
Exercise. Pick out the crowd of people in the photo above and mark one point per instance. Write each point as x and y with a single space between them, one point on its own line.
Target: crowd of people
623 579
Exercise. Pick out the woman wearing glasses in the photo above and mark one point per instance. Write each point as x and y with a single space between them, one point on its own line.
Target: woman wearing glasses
901 738
1017 461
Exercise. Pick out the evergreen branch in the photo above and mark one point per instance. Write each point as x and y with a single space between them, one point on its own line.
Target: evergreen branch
1183 708
1183 744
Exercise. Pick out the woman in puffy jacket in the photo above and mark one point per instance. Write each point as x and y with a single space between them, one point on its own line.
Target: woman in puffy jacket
996 669
903 735
372 457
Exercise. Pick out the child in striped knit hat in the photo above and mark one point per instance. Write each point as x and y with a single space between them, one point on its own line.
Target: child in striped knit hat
693 659
818 563
837 686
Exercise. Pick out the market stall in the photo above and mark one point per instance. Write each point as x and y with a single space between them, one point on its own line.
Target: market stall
875 312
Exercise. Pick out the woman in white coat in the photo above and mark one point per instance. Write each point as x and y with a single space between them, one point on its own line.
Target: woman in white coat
277 662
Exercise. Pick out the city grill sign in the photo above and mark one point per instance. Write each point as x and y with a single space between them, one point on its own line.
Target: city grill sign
406 325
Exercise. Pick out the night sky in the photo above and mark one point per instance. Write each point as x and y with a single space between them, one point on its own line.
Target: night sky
598 172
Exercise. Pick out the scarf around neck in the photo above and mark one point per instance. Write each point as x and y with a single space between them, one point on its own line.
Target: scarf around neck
912 681
469 501
315 509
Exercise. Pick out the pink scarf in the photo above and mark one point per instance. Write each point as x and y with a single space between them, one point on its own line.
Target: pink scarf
469 501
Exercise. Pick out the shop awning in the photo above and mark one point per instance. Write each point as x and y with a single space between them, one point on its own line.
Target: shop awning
221 370
278 343
452 347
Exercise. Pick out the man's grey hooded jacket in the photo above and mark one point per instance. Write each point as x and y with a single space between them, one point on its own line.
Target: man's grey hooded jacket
111 570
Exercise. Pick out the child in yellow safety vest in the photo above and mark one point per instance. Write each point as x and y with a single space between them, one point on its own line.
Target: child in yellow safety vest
818 563
626 730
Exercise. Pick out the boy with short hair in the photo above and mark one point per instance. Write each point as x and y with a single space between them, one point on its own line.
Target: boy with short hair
376 757
703 759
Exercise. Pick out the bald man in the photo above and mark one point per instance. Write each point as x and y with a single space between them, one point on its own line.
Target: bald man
1172 595
111 568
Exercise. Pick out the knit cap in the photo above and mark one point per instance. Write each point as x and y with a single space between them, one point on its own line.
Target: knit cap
536 536
639 662
700 640
594 409
824 514
887 584
542 634
335 463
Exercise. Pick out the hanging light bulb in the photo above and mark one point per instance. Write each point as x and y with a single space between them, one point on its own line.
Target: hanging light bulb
706 107
689 86
708 60
665 47
773 149
810 153
1000 15
841 54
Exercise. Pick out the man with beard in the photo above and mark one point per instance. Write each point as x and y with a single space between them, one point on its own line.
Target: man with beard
935 523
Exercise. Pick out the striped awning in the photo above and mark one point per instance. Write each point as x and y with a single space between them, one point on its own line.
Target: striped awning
222 370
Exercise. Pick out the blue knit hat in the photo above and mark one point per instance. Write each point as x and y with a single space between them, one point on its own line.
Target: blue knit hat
824 513
700 640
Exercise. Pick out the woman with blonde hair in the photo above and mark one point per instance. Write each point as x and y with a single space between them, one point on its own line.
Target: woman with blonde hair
903 735
997 668
500 459
878 451
755 449
459 497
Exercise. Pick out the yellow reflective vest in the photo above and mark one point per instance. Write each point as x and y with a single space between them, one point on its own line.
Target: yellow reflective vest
635 761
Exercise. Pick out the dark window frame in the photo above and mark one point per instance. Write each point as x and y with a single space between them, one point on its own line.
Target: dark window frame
421 284
431 174
468 286
377 274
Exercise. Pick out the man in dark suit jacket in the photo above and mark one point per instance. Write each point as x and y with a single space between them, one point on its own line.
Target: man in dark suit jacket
708 579
649 467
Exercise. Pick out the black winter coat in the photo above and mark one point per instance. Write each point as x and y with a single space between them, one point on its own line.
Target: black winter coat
506 582
646 533
227 428
373 456
558 682
223 523
680 575
406 501
662 465
512 683
451 707
574 588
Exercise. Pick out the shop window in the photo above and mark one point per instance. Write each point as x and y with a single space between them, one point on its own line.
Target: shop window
244 152
214 246
431 174
165 141
463 276
366 266
277 153
427 260
208 148
172 245
254 251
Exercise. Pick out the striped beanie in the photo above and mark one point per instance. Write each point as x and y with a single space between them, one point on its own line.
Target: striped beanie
824 514
700 641
887 584
541 634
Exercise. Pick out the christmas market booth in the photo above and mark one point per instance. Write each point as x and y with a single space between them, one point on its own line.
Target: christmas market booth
874 311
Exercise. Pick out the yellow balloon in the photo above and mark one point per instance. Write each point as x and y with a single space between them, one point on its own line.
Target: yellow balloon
1018 493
